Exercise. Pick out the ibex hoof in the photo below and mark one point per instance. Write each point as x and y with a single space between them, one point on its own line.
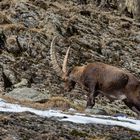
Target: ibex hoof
89 106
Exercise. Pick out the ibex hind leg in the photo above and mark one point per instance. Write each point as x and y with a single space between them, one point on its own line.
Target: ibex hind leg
138 110
133 107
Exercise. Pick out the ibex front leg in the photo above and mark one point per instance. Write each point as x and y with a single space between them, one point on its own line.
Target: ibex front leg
91 94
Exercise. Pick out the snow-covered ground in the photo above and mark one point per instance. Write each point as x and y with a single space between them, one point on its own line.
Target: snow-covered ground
76 118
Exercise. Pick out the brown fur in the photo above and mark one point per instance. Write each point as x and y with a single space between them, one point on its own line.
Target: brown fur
96 78
110 81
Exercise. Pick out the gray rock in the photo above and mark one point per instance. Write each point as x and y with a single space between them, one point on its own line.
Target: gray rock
28 94
71 110
10 75
22 83
96 111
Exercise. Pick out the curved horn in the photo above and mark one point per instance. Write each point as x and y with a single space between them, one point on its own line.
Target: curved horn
54 62
64 67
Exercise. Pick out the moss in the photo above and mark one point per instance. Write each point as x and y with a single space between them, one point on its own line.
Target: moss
78 133
134 138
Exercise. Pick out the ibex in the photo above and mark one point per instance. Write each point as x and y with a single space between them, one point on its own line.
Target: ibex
97 77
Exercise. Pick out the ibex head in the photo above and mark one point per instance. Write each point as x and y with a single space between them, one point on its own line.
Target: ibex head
63 72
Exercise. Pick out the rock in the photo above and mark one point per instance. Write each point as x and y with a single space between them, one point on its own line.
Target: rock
96 111
28 94
23 82
136 38
93 33
13 45
120 115
2 40
25 125
132 6
9 77
71 110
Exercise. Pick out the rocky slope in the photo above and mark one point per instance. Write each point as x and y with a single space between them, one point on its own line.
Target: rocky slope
94 34
27 126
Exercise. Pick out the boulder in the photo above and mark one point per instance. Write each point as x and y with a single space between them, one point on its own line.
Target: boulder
28 94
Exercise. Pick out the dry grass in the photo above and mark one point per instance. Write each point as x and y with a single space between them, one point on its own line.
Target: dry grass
12 26
52 103
4 118
98 138
63 103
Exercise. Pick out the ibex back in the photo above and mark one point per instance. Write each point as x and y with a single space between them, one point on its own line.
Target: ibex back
96 78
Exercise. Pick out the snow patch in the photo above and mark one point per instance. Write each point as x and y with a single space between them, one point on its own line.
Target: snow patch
76 118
